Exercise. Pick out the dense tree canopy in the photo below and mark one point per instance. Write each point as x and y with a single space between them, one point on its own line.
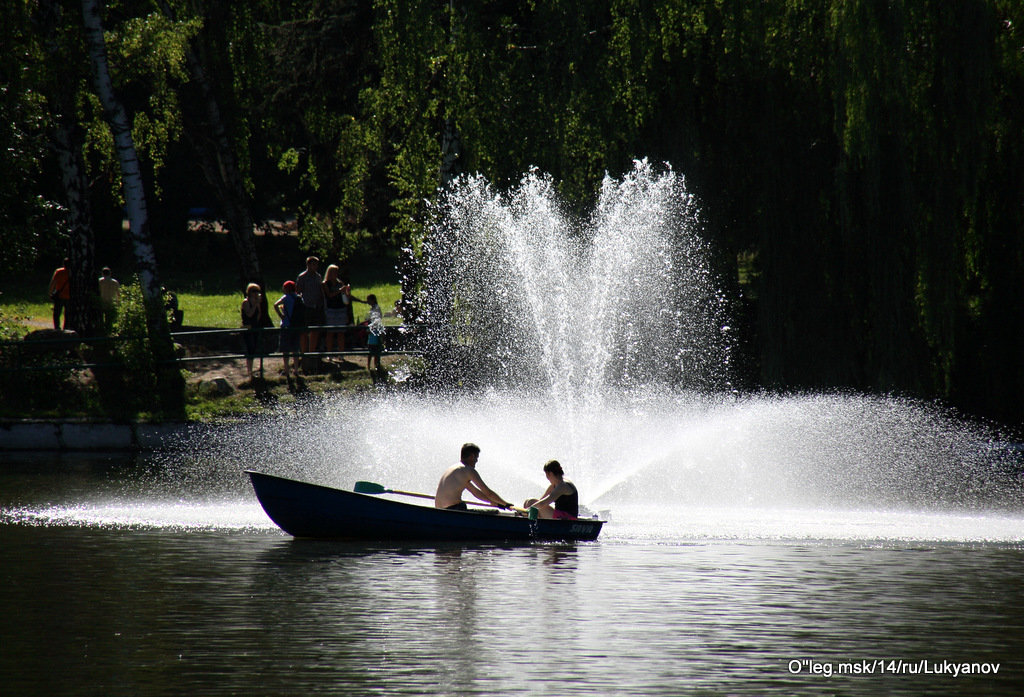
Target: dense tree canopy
860 164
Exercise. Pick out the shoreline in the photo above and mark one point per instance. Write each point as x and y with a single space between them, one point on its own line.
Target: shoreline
62 435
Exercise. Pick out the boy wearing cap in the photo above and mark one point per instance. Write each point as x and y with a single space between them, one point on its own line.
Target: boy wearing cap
285 308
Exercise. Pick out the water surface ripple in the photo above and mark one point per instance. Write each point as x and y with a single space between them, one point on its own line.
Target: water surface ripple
148 612
136 593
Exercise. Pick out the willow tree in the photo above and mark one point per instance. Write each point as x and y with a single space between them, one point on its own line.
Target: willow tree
297 70
208 131
981 65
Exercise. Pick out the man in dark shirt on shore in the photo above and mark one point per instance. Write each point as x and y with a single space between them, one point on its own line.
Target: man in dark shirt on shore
309 286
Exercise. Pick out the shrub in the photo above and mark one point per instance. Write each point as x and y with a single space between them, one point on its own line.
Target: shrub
36 376
129 387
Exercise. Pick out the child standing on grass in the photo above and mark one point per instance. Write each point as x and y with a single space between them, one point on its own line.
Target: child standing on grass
374 333
252 320
289 308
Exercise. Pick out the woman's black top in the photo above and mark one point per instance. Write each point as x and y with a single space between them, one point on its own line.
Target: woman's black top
569 503
335 302
252 321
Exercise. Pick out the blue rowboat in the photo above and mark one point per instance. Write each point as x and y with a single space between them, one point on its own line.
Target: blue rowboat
311 510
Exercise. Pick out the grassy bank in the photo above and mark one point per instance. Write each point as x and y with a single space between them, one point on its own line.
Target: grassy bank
221 309
218 310
210 297
204 278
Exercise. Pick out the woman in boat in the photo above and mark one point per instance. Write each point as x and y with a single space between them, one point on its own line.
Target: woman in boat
561 492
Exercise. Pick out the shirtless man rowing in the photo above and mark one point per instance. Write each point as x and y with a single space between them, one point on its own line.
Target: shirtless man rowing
461 477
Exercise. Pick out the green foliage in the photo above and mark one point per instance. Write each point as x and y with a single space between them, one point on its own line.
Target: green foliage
134 384
861 158
30 217
147 56
318 57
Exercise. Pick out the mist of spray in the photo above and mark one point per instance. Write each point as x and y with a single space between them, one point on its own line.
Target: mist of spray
532 299
605 343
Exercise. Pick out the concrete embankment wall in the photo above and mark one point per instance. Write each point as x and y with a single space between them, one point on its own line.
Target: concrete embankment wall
42 435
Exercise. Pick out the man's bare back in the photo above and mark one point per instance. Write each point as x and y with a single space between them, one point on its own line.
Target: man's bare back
453 483
462 477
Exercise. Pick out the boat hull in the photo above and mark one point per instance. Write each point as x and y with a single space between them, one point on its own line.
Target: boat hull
311 510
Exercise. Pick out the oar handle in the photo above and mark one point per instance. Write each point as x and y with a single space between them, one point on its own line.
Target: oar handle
372 488
428 496
517 509
409 493
494 505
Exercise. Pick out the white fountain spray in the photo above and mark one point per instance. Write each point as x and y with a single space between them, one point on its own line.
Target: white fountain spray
605 344
535 300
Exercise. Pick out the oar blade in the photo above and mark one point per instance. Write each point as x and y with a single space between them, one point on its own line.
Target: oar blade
369 488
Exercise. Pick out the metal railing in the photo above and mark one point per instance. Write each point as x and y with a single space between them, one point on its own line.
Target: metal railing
265 337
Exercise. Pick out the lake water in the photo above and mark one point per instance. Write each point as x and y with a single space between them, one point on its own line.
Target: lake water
112 583
757 544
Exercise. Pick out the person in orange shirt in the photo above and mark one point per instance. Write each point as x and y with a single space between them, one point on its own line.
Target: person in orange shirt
60 293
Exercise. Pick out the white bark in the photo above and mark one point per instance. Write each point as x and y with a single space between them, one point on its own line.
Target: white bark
131 175
170 386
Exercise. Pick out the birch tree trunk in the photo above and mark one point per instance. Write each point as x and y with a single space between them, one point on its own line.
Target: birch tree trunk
170 385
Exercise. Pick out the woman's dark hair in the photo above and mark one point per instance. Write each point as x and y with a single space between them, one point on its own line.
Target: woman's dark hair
553 467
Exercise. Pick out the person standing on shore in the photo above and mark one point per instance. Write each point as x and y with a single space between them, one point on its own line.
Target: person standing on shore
252 320
110 295
289 307
337 302
309 287
60 293
374 334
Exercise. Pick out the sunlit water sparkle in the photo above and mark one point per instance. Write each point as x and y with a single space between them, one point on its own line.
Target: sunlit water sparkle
634 523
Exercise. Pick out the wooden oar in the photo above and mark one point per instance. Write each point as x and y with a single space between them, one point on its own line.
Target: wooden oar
373 488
